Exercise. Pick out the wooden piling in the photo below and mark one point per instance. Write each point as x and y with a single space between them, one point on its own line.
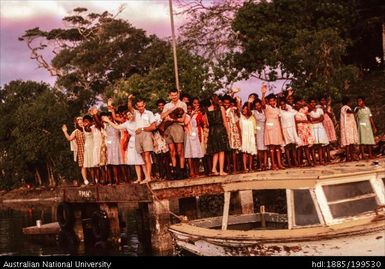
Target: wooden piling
245 200
161 240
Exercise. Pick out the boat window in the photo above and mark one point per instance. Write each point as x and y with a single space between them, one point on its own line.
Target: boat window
304 210
212 205
274 204
350 199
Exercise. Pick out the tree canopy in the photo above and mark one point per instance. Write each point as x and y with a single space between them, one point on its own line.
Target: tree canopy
32 146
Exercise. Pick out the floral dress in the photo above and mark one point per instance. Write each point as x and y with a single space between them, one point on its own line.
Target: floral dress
160 145
235 136
349 133
304 129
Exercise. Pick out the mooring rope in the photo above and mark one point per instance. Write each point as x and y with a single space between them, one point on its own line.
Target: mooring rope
181 218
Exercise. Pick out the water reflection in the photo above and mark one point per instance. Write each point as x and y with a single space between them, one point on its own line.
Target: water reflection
13 242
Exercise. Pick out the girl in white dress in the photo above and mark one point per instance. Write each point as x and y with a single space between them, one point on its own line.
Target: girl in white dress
248 128
289 130
133 157
318 130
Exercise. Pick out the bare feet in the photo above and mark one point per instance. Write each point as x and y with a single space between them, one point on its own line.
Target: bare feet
137 181
223 174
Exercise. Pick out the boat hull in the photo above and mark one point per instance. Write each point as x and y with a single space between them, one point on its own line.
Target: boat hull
371 244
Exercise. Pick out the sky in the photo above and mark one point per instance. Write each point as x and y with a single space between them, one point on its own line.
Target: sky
16 16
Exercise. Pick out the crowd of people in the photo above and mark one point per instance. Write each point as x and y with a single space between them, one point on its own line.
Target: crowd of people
216 136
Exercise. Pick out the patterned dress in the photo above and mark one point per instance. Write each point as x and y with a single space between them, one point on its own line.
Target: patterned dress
364 126
103 147
248 135
304 129
97 146
273 131
160 144
235 136
217 139
329 126
79 138
260 136
349 133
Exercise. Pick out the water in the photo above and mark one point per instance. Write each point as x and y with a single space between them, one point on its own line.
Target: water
14 242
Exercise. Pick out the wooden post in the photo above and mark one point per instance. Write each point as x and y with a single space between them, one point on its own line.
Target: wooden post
113 215
262 212
78 225
226 208
161 240
245 199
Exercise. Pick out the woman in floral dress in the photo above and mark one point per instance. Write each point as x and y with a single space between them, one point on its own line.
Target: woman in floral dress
349 133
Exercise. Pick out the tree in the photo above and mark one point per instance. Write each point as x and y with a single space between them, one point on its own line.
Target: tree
312 43
194 80
93 51
31 143
208 33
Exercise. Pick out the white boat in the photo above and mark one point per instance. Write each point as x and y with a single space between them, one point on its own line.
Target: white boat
335 210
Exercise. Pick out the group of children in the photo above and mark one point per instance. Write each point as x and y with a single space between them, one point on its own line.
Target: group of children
268 132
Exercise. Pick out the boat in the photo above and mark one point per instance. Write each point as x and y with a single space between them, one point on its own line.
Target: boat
335 210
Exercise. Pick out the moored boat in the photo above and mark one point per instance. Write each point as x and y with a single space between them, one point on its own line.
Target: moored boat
331 211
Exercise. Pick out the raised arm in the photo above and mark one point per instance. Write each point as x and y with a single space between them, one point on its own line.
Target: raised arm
263 91
129 104
114 125
65 131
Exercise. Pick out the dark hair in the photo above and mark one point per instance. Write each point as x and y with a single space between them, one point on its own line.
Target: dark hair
195 98
105 113
257 101
345 100
312 98
140 100
173 90
205 104
87 117
121 109
160 101
227 97
185 95
271 96
254 94
282 100
363 98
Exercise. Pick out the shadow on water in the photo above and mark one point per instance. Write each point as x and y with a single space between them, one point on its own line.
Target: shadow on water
14 242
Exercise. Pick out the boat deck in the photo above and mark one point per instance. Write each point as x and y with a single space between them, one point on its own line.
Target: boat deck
174 189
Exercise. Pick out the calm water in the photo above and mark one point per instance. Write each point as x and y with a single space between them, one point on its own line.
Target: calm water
13 242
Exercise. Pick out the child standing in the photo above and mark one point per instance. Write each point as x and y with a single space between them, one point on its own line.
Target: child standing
366 127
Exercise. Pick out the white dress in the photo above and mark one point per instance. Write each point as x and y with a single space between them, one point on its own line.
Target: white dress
192 145
248 135
289 127
133 157
318 129
97 145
